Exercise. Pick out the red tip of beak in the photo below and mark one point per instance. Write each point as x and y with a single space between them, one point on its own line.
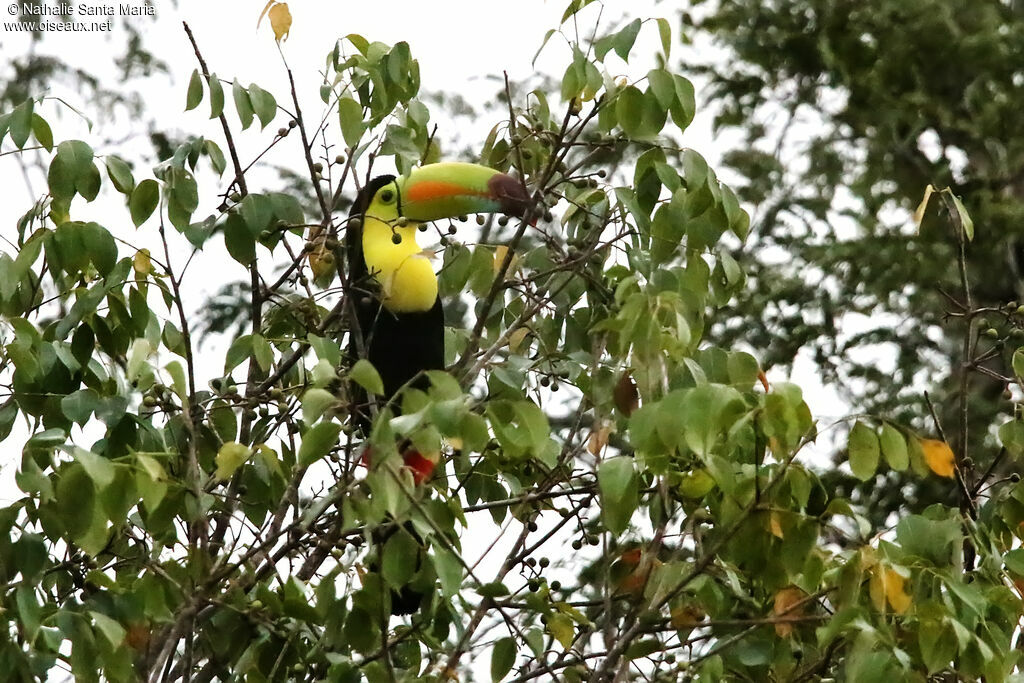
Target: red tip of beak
514 199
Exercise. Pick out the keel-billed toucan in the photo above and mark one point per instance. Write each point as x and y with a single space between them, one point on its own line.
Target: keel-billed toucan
398 310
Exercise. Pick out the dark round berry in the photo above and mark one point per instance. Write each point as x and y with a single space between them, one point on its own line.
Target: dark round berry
556 585
503 221
293 123
452 230
532 526
593 540
533 585
544 562
480 220
577 544
530 562
396 239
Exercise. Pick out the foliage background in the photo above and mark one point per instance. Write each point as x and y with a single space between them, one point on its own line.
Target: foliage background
183 517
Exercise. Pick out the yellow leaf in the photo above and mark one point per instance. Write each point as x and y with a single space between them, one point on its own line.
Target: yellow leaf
499 258
887 585
876 589
321 260
939 457
774 525
230 457
142 263
516 339
280 20
560 626
785 603
895 592
923 206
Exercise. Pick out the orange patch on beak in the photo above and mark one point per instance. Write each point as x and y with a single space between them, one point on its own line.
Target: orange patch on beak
426 190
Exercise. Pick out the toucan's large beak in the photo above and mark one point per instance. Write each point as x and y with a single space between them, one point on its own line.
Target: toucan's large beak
451 189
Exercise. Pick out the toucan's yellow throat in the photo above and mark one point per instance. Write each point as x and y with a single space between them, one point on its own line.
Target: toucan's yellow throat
433 192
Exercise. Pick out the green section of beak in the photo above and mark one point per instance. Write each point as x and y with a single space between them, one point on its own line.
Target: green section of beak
451 189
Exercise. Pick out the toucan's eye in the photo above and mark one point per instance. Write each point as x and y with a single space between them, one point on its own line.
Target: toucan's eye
387 196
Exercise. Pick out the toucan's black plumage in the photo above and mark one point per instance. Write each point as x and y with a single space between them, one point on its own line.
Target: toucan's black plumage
395 294
401 346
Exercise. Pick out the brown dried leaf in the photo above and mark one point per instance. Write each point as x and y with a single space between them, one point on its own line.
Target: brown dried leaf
784 606
626 396
598 438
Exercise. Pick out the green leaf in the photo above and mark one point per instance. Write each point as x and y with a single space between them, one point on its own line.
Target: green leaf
243 104
20 123
41 130
120 175
216 156
894 447
629 110
547 36
618 483
314 402
400 558
238 352
238 240
76 498
1014 561
503 658
317 442
350 115
230 457
263 103
365 375
111 629
263 352
561 628
1011 435
665 32
961 211
99 469
216 97
1018 362
494 589
625 39
195 91
78 407
863 451
449 571
88 182
143 201
614 476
